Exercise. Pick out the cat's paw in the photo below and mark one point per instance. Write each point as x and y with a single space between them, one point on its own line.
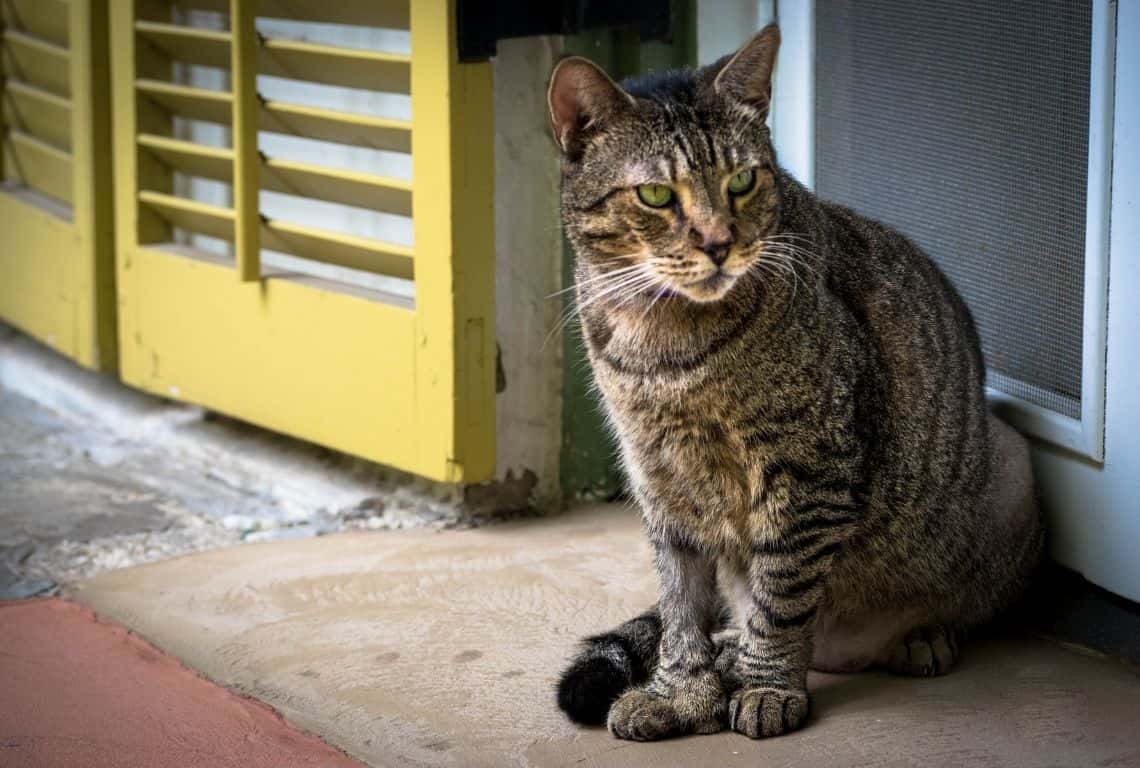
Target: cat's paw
761 712
640 716
726 645
925 652
727 649
643 715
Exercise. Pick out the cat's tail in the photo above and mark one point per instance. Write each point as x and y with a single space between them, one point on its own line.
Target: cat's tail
607 665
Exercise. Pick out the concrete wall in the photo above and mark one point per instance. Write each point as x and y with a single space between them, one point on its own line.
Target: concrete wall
528 269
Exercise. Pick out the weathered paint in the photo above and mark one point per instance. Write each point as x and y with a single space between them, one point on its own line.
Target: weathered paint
528 270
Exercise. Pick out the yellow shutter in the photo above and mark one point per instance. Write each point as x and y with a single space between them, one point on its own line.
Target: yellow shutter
406 382
56 270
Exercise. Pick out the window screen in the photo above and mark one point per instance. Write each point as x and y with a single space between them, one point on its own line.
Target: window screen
964 124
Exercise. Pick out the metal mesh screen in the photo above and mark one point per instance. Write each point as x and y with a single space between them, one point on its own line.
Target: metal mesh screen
964 125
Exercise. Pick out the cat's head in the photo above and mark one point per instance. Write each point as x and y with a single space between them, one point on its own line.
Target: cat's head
670 178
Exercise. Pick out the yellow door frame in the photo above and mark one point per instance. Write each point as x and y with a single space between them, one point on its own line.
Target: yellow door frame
56 247
408 384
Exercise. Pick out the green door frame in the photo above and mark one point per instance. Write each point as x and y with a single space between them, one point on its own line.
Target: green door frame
590 468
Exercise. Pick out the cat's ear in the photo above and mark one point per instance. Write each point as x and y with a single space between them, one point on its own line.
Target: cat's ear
747 76
581 97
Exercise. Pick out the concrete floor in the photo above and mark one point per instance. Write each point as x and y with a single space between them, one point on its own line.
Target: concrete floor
431 647
94 476
75 500
441 648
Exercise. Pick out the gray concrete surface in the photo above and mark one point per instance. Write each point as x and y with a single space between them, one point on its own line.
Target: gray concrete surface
441 648
95 476
75 500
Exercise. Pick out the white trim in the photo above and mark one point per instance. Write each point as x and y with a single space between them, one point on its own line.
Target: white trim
1102 74
793 91
724 25
793 132
1037 420
1094 508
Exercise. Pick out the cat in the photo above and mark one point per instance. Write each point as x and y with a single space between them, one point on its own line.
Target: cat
798 394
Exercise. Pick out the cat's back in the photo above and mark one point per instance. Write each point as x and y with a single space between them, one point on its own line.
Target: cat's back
925 388
914 318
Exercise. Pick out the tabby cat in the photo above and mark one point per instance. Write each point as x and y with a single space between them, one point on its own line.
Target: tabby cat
798 395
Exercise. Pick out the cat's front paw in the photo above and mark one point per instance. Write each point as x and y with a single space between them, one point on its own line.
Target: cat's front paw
761 712
644 715
727 648
640 716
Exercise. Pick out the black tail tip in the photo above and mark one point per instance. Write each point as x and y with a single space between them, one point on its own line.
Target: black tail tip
588 687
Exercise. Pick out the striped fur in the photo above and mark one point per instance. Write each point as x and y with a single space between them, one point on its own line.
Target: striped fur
802 417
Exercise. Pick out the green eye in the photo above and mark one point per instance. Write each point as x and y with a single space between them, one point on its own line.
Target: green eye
655 195
741 183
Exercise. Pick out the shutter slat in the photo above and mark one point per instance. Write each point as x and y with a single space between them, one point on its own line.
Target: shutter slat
338 249
38 165
38 112
37 61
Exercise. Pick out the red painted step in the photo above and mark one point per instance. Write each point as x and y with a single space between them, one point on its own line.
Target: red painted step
77 691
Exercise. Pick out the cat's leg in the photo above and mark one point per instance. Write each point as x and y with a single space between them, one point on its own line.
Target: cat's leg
852 642
925 652
1013 541
778 596
684 694
905 641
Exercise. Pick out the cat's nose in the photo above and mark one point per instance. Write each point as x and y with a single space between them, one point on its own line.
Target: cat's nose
718 254
714 242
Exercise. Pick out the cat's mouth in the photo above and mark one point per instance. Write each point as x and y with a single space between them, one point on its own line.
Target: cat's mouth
711 287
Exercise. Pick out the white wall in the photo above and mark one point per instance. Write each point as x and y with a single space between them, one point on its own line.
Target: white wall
1095 508
722 25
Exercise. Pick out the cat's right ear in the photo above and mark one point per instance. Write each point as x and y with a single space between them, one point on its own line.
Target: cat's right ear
581 97
746 77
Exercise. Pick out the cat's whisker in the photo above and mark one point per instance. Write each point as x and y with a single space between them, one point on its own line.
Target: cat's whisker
601 277
776 244
789 237
781 270
625 282
769 269
792 256
789 264
618 283
634 291
632 280
796 279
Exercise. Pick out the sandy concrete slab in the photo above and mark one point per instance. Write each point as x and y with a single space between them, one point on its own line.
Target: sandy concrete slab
441 648
75 691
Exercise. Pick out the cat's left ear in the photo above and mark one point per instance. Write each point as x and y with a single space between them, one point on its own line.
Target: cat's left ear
581 98
747 77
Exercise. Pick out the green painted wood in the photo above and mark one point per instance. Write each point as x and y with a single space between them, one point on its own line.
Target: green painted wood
590 468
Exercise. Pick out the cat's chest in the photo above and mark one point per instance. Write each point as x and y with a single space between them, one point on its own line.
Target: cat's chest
687 459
